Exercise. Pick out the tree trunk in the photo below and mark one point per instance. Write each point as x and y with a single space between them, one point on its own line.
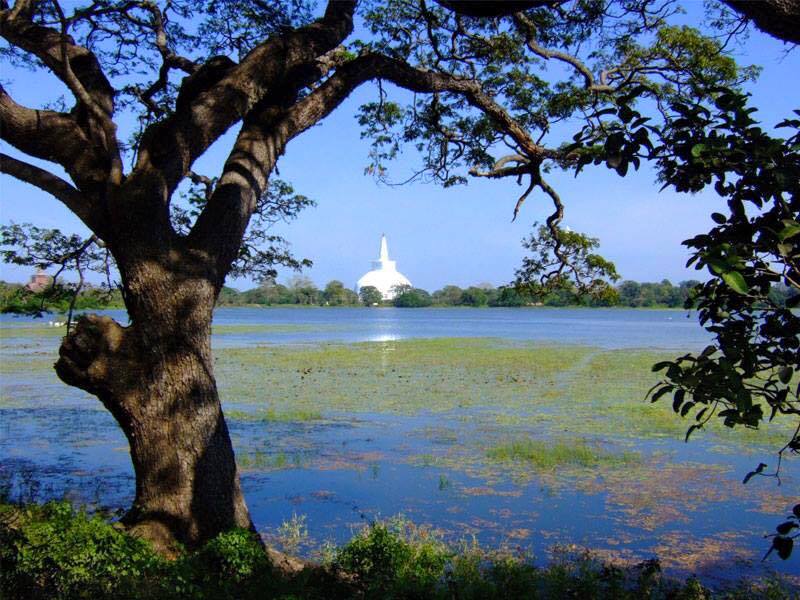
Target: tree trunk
156 377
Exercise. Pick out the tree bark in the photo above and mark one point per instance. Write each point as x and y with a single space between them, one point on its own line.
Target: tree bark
778 18
156 377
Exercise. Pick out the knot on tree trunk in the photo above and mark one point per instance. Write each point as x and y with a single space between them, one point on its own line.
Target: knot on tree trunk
92 357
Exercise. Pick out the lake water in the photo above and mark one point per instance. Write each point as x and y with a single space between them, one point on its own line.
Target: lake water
684 502
607 328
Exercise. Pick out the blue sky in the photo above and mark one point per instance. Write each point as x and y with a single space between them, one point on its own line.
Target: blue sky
462 235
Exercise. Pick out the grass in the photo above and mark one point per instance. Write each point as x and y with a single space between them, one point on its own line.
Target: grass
31 331
589 391
259 460
548 455
272 416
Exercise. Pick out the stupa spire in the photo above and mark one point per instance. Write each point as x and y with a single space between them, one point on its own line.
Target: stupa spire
384 249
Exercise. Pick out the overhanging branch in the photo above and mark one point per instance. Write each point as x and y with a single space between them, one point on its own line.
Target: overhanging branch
528 29
54 137
263 139
172 145
53 185
46 44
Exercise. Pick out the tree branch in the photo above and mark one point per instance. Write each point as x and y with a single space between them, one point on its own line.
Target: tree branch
169 59
103 115
263 138
526 26
54 137
172 145
53 185
493 8
778 18
49 46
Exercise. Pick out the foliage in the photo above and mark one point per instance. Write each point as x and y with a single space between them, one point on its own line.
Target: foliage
304 290
562 259
411 297
293 533
52 551
633 294
474 296
231 565
58 299
784 536
394 560
370 296
335 294
449 295
748 375
28 245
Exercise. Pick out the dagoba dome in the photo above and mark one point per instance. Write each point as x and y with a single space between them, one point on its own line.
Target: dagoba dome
384 274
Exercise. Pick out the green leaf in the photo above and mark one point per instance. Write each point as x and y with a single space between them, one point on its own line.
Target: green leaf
717 266
708 351
735 281
789 231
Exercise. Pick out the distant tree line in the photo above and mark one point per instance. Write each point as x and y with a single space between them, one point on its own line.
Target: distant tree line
16 298
302 291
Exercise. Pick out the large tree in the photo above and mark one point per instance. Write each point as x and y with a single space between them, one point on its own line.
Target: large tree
479 101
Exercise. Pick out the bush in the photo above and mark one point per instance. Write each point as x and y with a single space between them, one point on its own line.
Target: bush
232 565
54 552
394 560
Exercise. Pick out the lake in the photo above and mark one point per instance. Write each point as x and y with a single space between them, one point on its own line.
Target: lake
519 428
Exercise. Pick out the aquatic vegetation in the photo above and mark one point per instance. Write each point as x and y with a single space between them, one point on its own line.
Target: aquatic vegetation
261 460
590 392
272 416
293 533
547 455
261 328
31 331
458 424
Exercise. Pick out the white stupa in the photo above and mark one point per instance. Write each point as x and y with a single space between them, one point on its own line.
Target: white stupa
384 274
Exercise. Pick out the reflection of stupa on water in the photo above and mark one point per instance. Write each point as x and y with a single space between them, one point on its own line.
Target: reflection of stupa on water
384 274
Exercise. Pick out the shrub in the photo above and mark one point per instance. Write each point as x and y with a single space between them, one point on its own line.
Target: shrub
394 560
52 551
